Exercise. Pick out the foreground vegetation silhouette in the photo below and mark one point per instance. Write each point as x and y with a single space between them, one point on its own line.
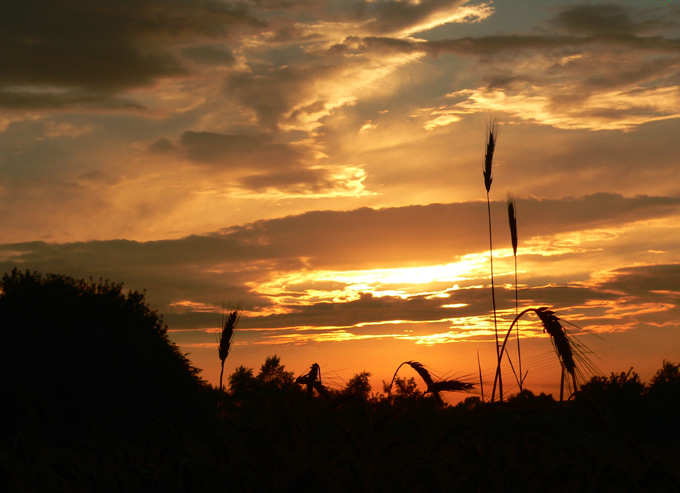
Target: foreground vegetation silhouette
95 397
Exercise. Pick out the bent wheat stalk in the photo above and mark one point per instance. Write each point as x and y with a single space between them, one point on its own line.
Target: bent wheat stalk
563 347
435 388
312 381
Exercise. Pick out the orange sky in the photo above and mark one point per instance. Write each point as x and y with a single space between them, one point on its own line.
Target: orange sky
319 163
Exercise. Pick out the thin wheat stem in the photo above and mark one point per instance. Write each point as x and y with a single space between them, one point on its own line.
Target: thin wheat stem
563 348
491 140
498 368
481 383
493 301
512 222
512 367
519 350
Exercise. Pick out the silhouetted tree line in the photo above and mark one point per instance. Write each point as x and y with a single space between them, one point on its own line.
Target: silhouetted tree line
95 397
75 349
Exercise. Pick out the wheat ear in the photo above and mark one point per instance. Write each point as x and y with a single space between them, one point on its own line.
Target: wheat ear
226 337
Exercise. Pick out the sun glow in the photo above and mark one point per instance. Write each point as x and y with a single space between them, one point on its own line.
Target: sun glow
309 287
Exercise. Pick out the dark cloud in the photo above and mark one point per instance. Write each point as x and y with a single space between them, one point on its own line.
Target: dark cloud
304 181
162 146
598 20
273 93
371 309
97 46
581 26
210 55
282 4
97 178
230 265
487 45
285 167
593 211
362 238
254 152
500 44
20 99
369 238
645 281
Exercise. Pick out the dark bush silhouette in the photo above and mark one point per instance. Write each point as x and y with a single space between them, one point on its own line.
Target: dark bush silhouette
274 374
619 389
666 381
403 392
663 401
242 382
358 388
82 351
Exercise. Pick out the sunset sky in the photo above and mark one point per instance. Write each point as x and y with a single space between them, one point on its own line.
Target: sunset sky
319 163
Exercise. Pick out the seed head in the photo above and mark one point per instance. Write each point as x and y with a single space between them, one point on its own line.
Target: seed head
228 333
512 220
491 139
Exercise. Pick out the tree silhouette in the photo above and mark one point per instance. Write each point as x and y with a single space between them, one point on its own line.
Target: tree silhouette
402 391
663 399
273 373
358 388
74 347
666 379
242 381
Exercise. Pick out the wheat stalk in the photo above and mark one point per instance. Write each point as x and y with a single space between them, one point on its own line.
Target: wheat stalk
564 347
491 140
434 388
226 337
552 325
481 383
512 222
312 381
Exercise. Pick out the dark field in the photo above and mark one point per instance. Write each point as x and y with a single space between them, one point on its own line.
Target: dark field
96 398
